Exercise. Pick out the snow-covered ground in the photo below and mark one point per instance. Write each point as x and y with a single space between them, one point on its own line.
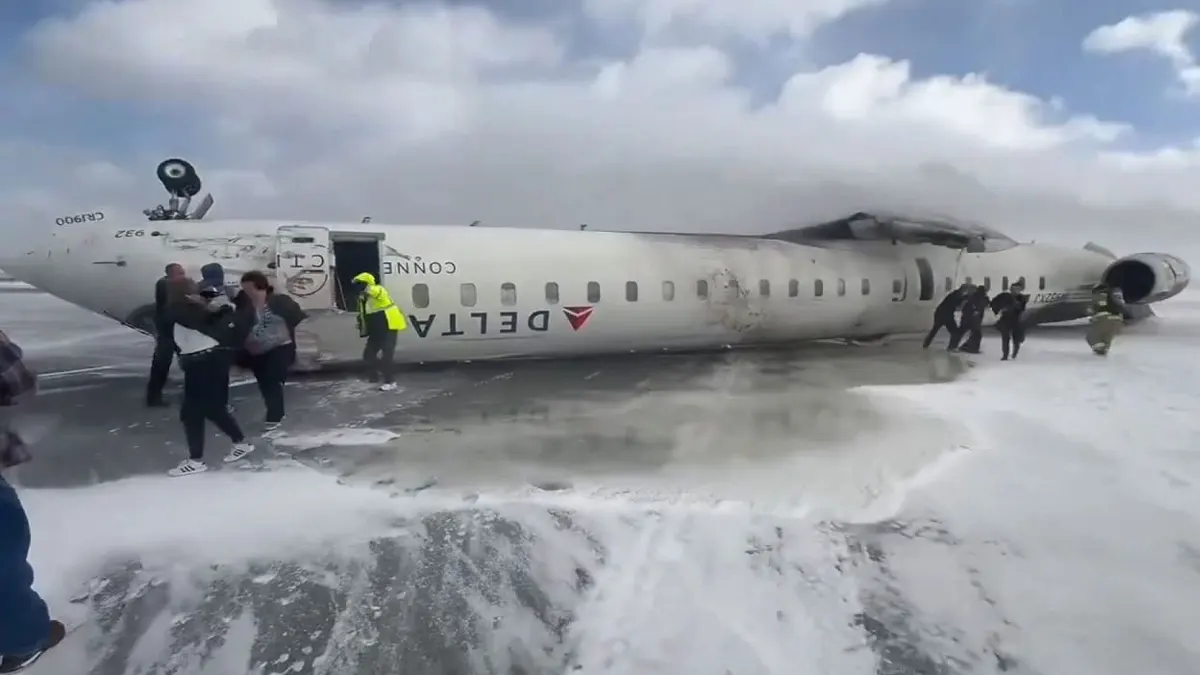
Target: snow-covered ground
1038 516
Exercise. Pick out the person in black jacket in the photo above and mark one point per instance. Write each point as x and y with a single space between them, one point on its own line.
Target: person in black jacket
164 343
206 329
943 317
1009 307
270 347
972 319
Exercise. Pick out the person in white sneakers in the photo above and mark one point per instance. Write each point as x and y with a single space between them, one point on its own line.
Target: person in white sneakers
206 327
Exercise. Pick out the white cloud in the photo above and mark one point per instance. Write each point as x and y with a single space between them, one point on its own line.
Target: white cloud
753 19
421 113
1162 33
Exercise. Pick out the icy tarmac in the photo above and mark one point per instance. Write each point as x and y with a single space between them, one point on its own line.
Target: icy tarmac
833 510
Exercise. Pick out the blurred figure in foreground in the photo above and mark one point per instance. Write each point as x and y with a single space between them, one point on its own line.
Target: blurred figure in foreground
26 629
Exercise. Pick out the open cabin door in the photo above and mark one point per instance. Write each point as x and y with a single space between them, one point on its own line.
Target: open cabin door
302 265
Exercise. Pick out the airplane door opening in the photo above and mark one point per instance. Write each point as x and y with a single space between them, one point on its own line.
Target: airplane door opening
925 270
302 264
352 257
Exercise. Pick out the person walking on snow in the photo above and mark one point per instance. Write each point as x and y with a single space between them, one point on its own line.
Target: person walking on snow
270 349
207 329
380 322
26 629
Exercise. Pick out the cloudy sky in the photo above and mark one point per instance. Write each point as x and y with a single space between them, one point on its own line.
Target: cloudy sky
1050 119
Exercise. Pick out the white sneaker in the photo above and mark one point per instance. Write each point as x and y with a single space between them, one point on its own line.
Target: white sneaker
390 386
239 451
188 467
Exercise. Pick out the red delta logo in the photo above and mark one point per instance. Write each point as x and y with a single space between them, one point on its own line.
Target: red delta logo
577 316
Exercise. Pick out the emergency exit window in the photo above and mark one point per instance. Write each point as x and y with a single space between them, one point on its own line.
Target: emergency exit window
508 294
631 291
593 291
420 296
468 295
668 290
551 293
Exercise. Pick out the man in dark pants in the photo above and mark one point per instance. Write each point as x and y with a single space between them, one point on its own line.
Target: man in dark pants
972 319
943 317
164 340
206 332
380 322
1009 306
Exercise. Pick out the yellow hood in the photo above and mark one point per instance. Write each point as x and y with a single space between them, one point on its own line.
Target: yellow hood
365 278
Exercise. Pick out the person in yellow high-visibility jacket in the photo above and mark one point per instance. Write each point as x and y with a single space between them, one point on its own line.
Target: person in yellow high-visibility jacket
380 322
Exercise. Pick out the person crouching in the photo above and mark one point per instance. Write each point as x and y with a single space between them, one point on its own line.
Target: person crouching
206 327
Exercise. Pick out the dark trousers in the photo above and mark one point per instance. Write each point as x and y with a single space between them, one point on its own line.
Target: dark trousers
378 354
973 329
205 395
24 617
160 367
270 372
940 322
1011 337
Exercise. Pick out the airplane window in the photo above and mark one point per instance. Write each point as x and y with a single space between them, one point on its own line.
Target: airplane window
551 293
764 288
631 292
897 287
508 294
866 287
420 296
793 288
841 287
735 289
818 288
1041 283
969 281
1004 283
949 284
987 283
702 289
668 290
593 291
467 294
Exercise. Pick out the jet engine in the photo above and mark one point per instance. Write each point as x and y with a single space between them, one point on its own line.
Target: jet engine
1148 277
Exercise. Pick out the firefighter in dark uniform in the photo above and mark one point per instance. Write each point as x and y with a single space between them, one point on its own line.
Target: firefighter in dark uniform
164 338
943 317
1009 308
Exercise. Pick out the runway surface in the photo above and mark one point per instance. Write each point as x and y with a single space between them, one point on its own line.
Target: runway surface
827 510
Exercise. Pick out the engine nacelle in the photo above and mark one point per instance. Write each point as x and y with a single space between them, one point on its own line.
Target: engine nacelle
1148 277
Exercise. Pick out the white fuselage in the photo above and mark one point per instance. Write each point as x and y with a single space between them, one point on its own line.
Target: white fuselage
474 293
